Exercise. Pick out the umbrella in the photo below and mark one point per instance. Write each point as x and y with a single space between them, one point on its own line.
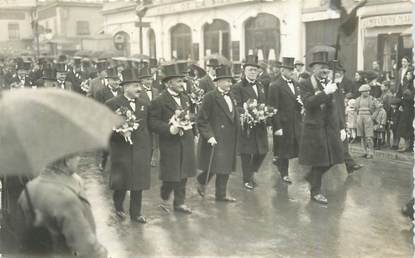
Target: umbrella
221 59
43 125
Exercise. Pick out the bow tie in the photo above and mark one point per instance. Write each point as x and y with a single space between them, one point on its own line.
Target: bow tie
251 83
289 81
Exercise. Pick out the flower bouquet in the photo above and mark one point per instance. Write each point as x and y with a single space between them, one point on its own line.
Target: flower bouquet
85 85
183 120
130 123
255 114
196 96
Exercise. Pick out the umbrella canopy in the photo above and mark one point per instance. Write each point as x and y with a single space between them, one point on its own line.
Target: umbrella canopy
43 125
221 59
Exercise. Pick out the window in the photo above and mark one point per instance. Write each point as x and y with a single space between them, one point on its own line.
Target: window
14 31
217 38
181 41
82 28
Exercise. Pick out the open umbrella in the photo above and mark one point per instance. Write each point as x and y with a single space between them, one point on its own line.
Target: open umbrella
221 59
43 125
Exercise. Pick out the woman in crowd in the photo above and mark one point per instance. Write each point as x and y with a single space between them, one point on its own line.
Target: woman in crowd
405 129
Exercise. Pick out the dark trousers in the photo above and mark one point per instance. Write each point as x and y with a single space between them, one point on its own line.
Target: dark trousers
251 164
220 183
178 188
135 201
282 165
348 160
314 177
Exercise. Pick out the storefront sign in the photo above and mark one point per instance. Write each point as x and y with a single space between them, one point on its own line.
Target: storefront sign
189 6
387 20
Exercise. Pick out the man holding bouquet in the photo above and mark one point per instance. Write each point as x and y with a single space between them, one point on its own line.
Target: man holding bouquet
130 148
218 124
169 118
253 145
284 95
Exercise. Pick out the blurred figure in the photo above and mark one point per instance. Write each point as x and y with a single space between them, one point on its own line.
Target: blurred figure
351 120
56 215
206 83
393 122
405 129
379 125
401 74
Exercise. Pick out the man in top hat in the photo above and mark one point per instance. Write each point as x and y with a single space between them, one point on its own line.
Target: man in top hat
98 82
323 129
219 126
177 148
61 77
48 79
344 86
21 79
154 71
130 161
274 69
284 95
112 86
253 147
206 83
263 77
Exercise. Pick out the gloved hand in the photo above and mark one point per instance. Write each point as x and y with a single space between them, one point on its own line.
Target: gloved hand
330 88
278 132
212 141
343 135
174 130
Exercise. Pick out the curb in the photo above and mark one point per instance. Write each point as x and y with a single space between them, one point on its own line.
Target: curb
385 154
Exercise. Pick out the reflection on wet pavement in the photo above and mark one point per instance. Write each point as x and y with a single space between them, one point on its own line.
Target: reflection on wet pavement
362 218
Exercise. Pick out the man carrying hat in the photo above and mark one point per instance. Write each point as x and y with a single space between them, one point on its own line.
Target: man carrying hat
253 147
284 95
219 126
206 82
177 148
323 129
130 161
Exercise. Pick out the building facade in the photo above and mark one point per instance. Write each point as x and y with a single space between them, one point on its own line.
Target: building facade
69 24
193 29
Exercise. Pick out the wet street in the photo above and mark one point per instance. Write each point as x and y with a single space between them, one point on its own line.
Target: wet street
362 218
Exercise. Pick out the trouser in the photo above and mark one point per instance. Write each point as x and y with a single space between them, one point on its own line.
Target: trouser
367 145
178 188
314 177
135 201
220 183
348 160
251 164
396 138
282 165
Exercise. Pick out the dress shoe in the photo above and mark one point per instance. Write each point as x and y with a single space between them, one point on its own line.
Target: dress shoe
287 180
225 199
140 219
201 190
165 206
121 215
319 198
248 186
183 208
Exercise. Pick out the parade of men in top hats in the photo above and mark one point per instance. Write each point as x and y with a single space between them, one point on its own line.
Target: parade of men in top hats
207 129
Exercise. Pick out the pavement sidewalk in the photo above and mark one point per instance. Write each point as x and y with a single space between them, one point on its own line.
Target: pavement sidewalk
385 153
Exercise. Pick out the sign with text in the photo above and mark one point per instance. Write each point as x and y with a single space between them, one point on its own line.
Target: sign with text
387 20
17 3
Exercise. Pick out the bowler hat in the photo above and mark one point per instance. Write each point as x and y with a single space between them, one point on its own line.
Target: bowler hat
287 62
129 76
170 71
251 60
321 57
223 72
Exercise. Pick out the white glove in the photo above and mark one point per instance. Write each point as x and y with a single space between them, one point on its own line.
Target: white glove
174 130
330 88
212 141
343 135
278 132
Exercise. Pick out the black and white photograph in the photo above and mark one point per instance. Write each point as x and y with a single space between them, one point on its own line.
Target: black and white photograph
207 128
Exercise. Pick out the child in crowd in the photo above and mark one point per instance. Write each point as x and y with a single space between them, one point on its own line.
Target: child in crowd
365 107
379 125
393 121
351 120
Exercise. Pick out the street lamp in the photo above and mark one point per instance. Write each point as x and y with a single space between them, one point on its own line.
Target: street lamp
141 11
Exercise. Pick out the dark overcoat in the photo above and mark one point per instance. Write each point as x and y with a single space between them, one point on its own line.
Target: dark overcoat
288 118
206 83
130 163
320 143
257 140
103 94
94 85
177 153
215 120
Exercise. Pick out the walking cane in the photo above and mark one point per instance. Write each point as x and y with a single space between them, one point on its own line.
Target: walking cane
210 164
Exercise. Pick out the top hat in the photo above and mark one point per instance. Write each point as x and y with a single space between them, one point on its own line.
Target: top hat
62 58
213 62
223 72
129 76
143 73
48 74
152 62
170 71
23 65
61 67
251 60
77 60
287 62
321 57
111 72
102 65
236 68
